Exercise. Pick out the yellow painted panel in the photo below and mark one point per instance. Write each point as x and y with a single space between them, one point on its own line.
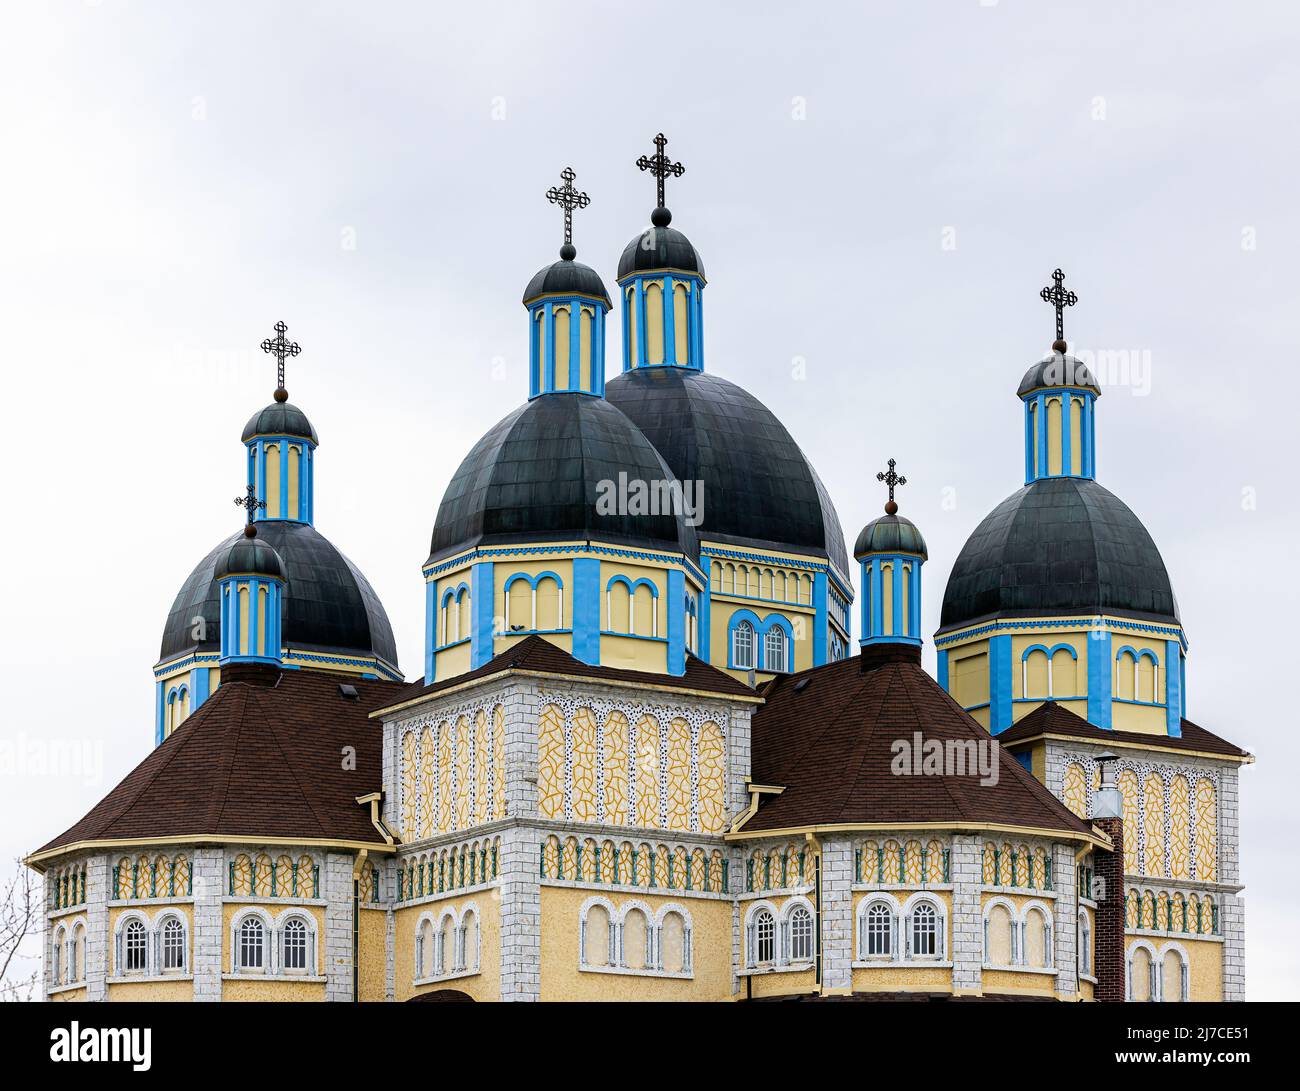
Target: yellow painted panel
584 348
295 459
887 598
1076 435
970 677
1054 435
243 618
561 319
171 992
681 325
654 321
272 497
629 296
371 958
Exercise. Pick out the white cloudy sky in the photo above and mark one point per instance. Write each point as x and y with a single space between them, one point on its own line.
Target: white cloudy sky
178 176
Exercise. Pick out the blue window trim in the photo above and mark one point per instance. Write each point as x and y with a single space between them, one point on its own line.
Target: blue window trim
1050 652
761 626
453 592
632 586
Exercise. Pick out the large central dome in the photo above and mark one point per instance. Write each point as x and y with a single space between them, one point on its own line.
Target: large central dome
759 487
1059 546
537 475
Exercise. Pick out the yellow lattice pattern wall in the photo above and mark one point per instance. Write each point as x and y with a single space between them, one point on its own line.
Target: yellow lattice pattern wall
157 877
260 876
453 774
1020 865
1170 819
1171 911
647 775
780 867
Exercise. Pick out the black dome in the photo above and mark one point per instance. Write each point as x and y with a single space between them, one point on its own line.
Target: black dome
759 488
328 605
1055 370
279 419
890 534
534 478
566 278
250 557
1060 545
660 248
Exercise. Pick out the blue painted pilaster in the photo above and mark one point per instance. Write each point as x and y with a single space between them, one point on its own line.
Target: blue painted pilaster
877 607
586 610
705 624
821 619
1100 673
158 715
942 669
999 683
430 630
482 589
1067 460
1041 414
200 683
676 621
1173 688
283 448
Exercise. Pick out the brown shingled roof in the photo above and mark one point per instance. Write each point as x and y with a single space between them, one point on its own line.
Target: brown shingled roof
536 653
260 758
825 735
1049 718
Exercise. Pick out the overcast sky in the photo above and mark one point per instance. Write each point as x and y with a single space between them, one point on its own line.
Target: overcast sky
878 191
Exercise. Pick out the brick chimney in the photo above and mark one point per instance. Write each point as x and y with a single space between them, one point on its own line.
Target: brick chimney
1109 960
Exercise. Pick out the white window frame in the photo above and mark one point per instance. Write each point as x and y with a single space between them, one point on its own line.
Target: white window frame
775 649
740 642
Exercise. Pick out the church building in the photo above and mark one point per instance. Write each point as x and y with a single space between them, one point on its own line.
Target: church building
643 757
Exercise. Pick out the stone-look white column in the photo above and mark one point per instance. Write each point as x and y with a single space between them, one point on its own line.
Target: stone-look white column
1066 925
966 867
208 880
337 884
738 759
386 876
837 914
99 878
1232 914
521 913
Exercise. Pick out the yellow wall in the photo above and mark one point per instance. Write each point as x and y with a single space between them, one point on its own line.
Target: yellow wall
563 980
68 995
372 961
273 909
482 986
152 991
1010 981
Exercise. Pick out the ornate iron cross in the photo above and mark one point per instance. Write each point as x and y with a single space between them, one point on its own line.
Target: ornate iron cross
568 199
280 348
250 503
891 479
1060 298
660 166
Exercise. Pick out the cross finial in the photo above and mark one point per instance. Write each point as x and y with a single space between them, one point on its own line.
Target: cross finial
1060 298
250 503
568 199
893 480
280 348
660 166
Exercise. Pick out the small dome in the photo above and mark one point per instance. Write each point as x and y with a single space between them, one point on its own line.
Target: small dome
1055 371
329 605
280 419
890 534
660 248
1059 546
250 557
566 277
537 476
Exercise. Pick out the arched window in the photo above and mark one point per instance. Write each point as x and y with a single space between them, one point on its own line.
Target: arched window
1037 939
441 941
801 934
742 646
1174 978
250 948
674 944
764 937
596 937
999 936
56 956
173 946
923 932
77 954
424 950
1085 943
294 945
636 940
879 932
774 657
135 947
